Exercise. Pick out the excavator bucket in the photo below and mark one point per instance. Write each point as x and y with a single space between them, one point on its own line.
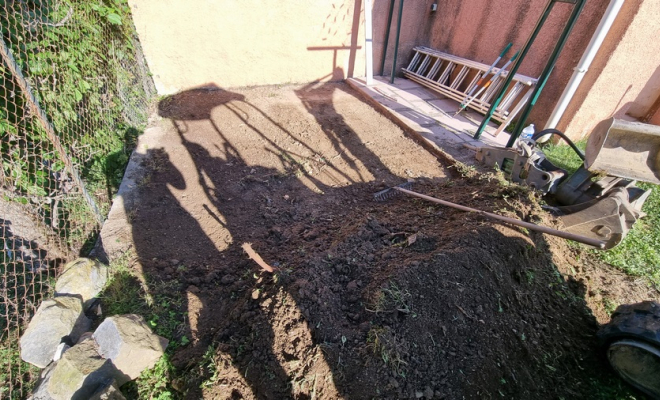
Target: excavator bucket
625 149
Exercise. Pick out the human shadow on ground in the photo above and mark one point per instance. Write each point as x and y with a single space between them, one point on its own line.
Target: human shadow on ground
239 199
367 300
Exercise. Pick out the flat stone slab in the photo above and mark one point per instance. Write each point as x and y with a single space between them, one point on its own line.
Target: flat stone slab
84 278
80 373
56 320
128 341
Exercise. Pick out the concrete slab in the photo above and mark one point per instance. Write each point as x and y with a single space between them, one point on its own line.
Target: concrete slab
430 115
400 83
424 94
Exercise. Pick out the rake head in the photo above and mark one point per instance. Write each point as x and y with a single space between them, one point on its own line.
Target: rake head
391 192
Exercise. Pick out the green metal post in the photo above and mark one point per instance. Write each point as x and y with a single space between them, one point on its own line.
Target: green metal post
396 44
387 37
513 71
543 79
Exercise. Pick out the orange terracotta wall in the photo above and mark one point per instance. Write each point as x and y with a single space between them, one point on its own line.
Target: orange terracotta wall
479 30
249 42
416 28
624 79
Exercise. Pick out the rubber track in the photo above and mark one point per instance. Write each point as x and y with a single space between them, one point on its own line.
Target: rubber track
636 321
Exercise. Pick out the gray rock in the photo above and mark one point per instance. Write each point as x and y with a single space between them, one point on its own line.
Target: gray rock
40 391
80 373
110 392
56 320
61 349
82 277
129 343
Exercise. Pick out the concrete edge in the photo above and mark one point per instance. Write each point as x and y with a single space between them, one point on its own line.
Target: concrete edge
108 245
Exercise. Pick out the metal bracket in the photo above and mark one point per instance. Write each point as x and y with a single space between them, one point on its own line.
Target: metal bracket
526 166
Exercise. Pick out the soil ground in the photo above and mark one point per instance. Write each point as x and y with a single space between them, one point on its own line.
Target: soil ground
394 299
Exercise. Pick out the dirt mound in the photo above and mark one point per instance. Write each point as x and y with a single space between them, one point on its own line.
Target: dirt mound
396 299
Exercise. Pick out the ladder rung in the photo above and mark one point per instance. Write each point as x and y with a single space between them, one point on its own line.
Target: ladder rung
423 65
460 77
445 74
434 69
411 66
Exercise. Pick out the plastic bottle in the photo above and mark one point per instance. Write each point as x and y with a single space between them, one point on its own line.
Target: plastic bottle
528 132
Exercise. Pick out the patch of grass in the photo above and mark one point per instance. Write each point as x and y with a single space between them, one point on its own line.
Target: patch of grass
466 171
609 305
398 297
391 298
384 345
17 376
613 389
639 253
160 303
563 155
153 383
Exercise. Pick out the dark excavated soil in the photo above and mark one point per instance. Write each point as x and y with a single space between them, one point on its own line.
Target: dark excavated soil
386 300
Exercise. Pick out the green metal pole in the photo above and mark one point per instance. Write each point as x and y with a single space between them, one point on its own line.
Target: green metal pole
387 37
513 71
543 79
396 44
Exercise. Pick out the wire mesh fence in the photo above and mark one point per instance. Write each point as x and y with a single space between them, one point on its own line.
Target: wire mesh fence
75 92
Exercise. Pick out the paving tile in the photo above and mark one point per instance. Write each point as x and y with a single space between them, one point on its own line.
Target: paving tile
400 83
474 144
389 103
447 105
416 117
442 133
426 94
424 107
408 95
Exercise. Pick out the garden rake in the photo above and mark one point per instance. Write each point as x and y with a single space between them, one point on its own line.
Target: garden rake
405 188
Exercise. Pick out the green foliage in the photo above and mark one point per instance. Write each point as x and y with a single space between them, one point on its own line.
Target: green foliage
153 383
25 289
564 157
80 72
639 253
110 12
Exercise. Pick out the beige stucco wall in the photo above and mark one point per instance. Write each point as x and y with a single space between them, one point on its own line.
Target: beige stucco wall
624 79
249 42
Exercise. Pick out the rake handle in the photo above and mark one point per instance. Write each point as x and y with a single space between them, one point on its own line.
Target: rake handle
544 229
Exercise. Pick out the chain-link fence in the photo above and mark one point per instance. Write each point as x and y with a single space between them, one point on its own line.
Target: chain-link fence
74 93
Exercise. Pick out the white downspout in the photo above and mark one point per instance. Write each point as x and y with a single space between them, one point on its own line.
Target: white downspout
585 62
368 38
